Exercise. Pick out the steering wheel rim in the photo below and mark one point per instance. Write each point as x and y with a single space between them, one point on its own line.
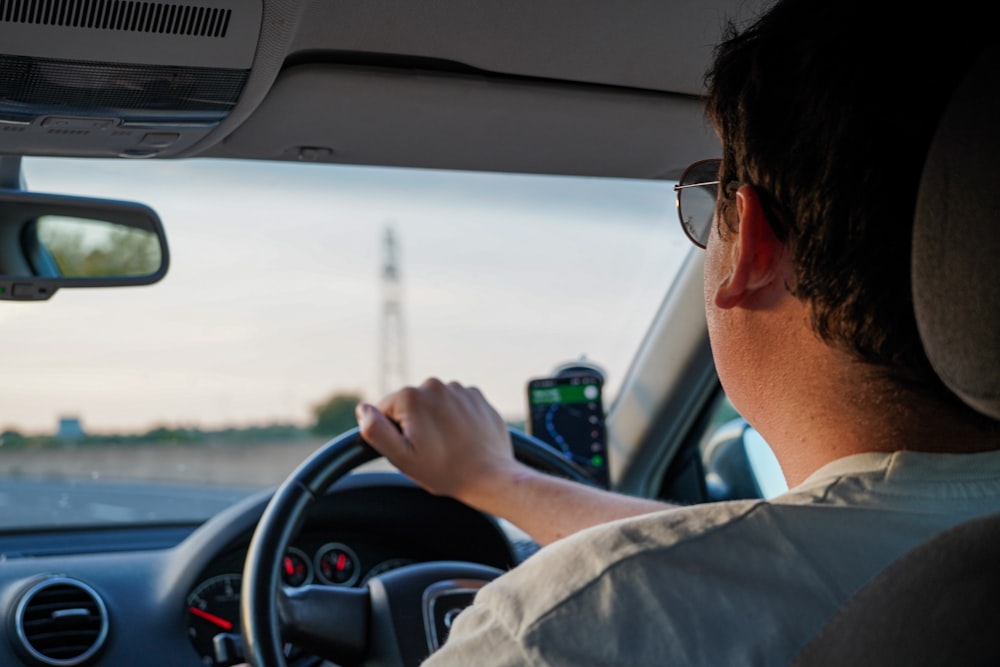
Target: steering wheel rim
264 606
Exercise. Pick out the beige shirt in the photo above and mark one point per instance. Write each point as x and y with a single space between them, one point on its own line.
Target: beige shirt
735 583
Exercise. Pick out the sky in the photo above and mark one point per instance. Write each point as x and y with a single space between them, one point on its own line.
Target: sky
274 297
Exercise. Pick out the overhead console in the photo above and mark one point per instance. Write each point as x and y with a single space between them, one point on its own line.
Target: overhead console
121 78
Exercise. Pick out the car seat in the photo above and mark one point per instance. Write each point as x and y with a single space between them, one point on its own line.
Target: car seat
940 604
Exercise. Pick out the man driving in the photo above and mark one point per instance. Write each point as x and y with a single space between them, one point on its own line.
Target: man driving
824 127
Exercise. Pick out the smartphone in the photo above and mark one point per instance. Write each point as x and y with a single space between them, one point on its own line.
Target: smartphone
567 412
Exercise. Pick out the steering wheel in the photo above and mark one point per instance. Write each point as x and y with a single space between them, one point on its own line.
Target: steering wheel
399 618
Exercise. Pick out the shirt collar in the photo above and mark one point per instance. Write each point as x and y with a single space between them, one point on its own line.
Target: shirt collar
903 465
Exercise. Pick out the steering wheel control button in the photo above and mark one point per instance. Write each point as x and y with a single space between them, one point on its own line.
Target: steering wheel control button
442 604
337 564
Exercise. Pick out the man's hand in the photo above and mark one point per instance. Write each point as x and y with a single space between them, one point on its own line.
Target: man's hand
449 439
453 443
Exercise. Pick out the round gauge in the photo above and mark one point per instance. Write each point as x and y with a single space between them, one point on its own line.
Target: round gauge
337 564
387 565
296 570
213 608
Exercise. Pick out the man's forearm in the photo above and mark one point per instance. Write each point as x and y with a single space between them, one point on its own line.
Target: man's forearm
549 508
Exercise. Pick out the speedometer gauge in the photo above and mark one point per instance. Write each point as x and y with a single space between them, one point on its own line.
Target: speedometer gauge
213 608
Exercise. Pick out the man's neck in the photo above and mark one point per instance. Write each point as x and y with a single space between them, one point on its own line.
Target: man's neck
842 407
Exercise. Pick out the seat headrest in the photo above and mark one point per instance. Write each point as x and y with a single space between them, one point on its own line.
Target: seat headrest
956 241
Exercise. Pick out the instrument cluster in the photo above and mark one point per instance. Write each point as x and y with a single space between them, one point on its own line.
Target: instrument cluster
213 605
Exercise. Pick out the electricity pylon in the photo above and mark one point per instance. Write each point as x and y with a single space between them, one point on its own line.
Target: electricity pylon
392 352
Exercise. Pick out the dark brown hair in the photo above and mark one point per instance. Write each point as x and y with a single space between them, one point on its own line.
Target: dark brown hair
827 109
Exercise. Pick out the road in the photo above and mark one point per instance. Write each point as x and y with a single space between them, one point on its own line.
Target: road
41 502
128 483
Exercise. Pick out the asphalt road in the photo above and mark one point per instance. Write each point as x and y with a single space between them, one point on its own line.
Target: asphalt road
149 483
47 502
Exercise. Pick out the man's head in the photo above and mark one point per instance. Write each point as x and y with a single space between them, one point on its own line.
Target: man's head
826 109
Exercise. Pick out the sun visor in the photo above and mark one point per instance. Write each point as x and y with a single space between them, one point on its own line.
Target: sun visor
410 118
122 78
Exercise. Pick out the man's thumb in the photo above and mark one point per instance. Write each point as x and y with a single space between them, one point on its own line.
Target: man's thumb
379 432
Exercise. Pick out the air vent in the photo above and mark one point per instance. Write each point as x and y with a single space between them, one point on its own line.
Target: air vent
128 15
61 622
212 34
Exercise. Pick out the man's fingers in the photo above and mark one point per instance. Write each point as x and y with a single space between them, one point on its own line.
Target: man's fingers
379 432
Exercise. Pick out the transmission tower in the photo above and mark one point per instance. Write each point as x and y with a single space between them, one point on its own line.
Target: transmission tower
392 353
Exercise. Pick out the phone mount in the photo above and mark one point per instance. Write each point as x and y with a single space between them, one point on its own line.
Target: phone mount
577 368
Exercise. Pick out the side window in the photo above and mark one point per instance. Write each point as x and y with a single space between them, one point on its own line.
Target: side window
738 463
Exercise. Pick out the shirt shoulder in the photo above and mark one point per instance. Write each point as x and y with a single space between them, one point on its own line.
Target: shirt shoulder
566 589
588 555
743 582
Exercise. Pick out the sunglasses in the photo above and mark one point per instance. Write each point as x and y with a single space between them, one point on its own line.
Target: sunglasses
697 192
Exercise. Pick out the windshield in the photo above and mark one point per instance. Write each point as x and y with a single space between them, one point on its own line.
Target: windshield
295 290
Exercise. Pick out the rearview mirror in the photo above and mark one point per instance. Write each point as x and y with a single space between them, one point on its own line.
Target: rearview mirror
53 241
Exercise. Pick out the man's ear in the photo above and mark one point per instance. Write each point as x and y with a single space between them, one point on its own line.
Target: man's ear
755 262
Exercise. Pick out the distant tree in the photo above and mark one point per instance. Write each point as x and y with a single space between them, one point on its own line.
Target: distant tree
11 437
168 434
275 431
335 414
96 249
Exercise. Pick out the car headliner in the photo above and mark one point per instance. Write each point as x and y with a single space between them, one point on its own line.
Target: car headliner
557 86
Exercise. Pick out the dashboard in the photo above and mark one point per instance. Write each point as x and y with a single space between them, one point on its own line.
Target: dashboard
170 595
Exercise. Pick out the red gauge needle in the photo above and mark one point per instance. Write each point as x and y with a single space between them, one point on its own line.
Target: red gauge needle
212 618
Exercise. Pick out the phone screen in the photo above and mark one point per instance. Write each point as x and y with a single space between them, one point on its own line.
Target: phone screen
568 413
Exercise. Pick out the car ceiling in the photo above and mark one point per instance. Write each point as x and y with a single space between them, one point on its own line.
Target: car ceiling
593 42
581 87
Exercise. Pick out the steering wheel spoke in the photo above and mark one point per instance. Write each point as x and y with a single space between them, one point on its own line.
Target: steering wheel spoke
328 621
414 606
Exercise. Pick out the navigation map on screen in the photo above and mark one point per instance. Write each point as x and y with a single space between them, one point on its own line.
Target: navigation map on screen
568 413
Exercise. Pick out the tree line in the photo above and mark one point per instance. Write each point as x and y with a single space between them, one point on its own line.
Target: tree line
330 417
